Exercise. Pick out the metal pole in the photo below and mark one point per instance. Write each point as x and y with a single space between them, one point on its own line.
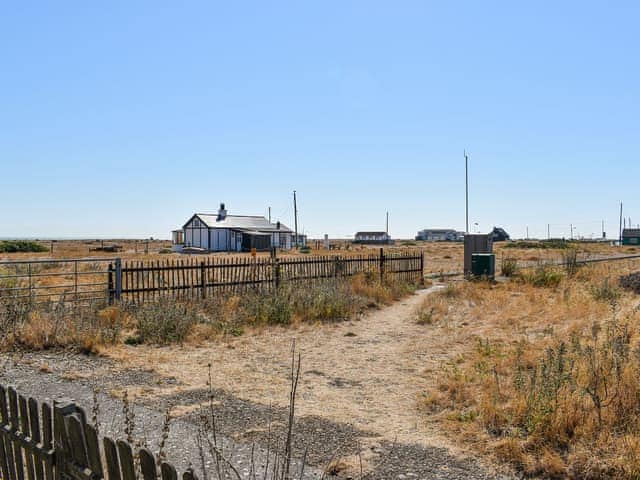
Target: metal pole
548 231
620 237
269 214
295 217
466 183
571 232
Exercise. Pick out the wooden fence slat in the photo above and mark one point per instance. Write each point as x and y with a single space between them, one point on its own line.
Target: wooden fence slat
14 417
148 465
34 420
6 454
93 449
25 427
111 457
47 438
168 471
127 466
77 442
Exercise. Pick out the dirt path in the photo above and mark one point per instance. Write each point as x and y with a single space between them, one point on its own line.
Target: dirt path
365 373
359 390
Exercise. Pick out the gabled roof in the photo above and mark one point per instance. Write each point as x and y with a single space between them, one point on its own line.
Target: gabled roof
438 230
631 232
239 222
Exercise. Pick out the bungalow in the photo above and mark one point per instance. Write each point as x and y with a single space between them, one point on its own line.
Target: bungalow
372 237
439 235
232 233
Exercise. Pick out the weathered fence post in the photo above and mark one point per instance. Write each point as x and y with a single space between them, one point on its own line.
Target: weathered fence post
118 292
382 260
110 291
203 279
276 272
421 266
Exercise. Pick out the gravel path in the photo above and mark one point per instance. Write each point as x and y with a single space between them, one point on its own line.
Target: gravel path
357 396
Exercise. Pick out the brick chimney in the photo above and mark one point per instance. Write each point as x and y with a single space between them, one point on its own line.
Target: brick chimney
222 213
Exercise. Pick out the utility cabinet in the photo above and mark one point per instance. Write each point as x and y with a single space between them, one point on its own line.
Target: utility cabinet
483 265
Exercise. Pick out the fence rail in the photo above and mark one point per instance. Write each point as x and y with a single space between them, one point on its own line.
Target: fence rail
73 280
143 281
40 442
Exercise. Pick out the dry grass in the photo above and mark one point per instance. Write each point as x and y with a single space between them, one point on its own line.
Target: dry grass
170 320
549 379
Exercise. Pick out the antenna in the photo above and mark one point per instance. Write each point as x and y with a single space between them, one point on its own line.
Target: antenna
295 217
466 184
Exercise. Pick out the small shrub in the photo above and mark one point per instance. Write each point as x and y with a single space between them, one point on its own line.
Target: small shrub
570 261
14 246
451 290
631 282
542 276
509 267
425 317
605 292
273 308
164 321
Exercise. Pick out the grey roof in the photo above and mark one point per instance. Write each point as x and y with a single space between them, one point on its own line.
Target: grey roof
371 233
631 232
241 222
438 230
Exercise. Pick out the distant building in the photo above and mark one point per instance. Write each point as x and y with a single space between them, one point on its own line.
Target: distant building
440 235
231 233
631 236
499 235
372 237
300 240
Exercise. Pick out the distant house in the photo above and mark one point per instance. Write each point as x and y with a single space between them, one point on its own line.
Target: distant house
372 237
631 236
499 235
300 240
231 233
439 235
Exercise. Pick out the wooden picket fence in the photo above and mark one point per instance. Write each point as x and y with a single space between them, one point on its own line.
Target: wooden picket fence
40 442
144 281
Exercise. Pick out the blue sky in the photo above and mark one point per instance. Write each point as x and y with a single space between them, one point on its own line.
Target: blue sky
121 119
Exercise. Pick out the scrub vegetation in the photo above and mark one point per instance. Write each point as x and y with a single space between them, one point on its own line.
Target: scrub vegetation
170 320
550 380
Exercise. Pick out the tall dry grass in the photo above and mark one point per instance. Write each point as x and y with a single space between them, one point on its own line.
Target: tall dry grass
551 384
26 325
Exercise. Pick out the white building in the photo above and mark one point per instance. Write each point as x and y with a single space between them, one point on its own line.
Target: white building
232 233
440 235
372 237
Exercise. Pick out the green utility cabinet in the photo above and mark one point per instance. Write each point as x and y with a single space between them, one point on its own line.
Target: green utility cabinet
483 265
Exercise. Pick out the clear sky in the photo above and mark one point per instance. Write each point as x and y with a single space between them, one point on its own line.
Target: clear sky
121 119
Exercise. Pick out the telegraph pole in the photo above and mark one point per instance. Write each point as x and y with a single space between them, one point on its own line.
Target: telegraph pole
620 237
466 184
269 214
387 227
571 227
548 231
295 217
